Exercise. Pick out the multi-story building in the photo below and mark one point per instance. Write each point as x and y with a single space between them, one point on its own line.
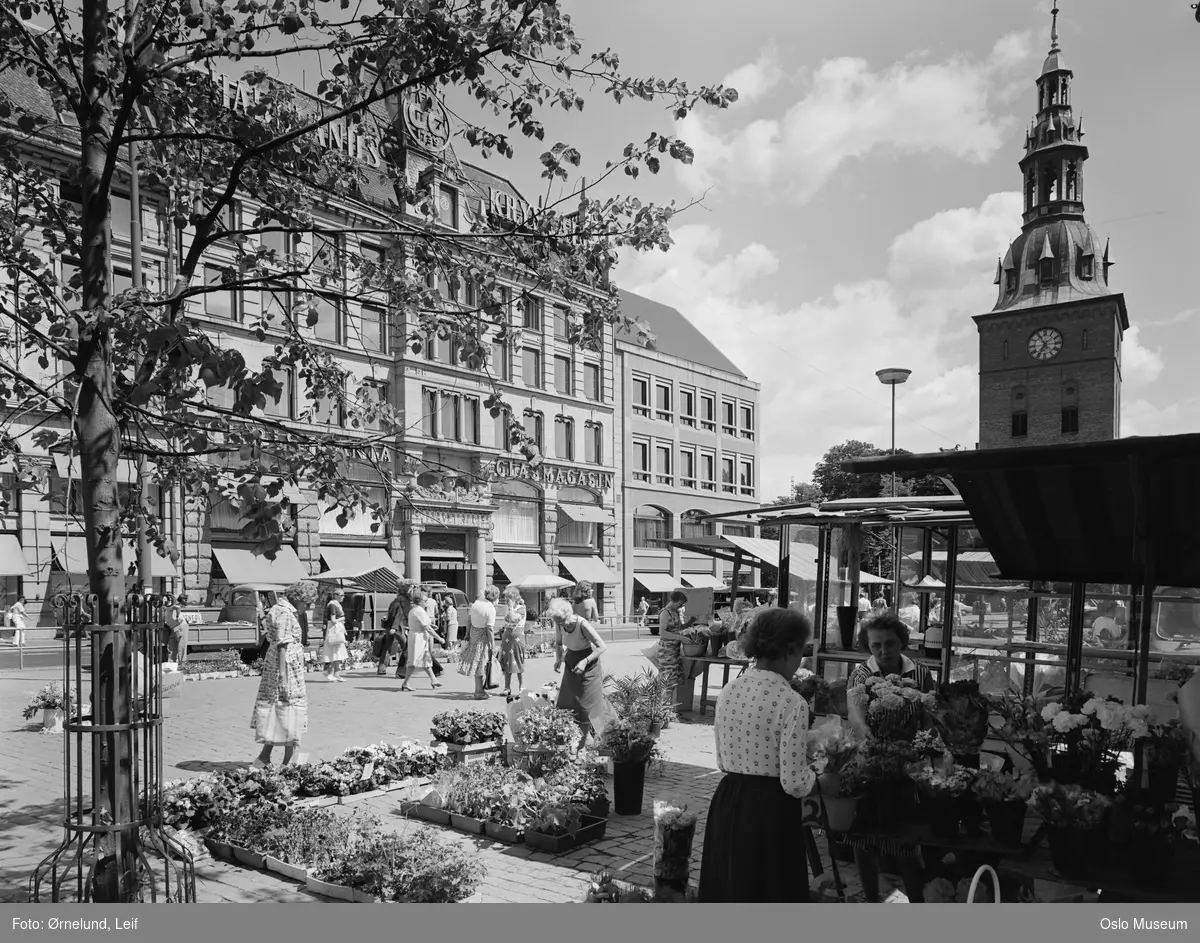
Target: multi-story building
464 507
689 435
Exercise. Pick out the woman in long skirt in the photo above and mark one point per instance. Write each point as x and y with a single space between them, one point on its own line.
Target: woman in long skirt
334 651
421 635
670 642
512 640
281 708
578 647
480 640
754 843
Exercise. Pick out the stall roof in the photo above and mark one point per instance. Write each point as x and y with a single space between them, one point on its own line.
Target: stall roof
1093 512
939 510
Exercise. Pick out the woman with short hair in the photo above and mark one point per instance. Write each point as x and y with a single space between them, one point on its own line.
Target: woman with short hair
578 647
754 842
421 635
281 707
670 643
583 602
512 640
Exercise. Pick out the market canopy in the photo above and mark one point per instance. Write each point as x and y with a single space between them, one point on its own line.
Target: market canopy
656 582
590 568
12 557
242 566
1095 512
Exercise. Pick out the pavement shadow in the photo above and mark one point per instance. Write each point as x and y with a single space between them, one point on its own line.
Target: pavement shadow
445 695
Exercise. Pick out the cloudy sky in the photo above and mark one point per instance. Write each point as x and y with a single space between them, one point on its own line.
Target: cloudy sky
855 200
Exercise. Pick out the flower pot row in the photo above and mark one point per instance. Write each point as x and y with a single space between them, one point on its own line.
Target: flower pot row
592 829
322 801
235 854
464 753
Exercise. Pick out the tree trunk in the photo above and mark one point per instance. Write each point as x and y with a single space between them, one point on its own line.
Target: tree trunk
99 439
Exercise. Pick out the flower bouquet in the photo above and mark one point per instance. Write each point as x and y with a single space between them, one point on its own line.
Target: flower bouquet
814 689
674 831
1073 817
1088 734
894 706
841 801
695 640
53 699
1018 722
941 791
929 744
1005 798
962 717
832 748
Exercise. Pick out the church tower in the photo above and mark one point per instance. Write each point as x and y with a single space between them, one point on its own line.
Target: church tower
1050 350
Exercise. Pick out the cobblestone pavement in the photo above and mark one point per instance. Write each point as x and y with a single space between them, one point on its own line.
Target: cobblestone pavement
209 727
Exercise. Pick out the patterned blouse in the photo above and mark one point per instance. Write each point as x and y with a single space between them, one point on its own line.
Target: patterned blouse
761 730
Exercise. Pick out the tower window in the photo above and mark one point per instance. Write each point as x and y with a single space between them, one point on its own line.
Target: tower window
1020 425
1045 270
1005 350
1010 281
1070 419
1085 338
1087 267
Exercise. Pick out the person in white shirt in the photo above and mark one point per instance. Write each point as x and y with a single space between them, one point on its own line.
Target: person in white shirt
754 842
480 640
18 618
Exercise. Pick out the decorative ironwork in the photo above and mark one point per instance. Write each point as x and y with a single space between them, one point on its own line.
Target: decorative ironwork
115 847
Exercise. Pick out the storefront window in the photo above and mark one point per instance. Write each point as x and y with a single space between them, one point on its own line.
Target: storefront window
651 528
518 513
575 533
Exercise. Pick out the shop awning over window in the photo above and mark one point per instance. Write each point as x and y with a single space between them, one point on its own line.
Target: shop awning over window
242 566
12 557
159 566
591 569
517 566
657 582
355 561
702 581
70 554
587 514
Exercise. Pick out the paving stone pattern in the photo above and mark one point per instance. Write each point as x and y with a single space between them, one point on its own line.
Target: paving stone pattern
209 727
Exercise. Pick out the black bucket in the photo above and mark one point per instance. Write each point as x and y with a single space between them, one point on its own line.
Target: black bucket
629 785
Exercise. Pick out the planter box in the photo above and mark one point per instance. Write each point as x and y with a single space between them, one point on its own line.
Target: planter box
555 844
464 823
362 897
220 850
293 871
248 858
461 754
592 829
336 891
429 814
361 796
504 833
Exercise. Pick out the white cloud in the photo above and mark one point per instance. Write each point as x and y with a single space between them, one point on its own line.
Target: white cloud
816 360
912 107
757 78
1140 366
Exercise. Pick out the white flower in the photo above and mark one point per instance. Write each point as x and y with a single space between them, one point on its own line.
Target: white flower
1093 705
1050 711
1062 722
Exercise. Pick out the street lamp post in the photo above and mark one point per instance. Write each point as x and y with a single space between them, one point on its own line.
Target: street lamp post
893 377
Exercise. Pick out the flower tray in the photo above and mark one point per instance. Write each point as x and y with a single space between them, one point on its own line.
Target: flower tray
591 829
504 833
336 891
465 823
293 871
428 813
248 858
220 850
463 753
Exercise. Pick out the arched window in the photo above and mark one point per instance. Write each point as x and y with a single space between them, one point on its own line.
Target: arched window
1020 412
1070 407
573 533
651 528
518 514
691 525
1004 353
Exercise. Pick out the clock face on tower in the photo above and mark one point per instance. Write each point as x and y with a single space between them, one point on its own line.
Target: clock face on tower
1045 343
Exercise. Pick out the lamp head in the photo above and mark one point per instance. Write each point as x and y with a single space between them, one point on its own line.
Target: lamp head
893 376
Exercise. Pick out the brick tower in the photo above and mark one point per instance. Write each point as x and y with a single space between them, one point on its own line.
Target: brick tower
1050 350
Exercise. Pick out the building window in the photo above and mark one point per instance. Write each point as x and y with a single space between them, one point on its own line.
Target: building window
594 444
1010 281
1004 351
283 408
651 528
449 422
562 324
580 534
1046 270
687 407
518 514
641 460
429 411
275 307
728 485
562 375
1070 419
329 312
365 330
373 395
687 468
10 494
662 465
708 471
708 412
1085 339
641 396
746 477
1020 425
447 208
470 420
534 429
692 526
531 367
499 363
747 419
327 409
1087 267
503 430
662 401
531 314
220 303
729 417
564 438
591 381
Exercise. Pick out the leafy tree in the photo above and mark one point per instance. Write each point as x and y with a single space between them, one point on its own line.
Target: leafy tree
125 372
835 483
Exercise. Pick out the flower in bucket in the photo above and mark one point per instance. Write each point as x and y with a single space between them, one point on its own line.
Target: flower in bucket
1069 806
697 635
893 704
929 743
944 783
50 698
995 786
832 747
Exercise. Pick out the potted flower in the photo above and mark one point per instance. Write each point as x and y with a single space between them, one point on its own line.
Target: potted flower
1088 734
929 744
584 781
815 690
894 706
1073 817
470 736
631 747
695 641
641 698
886 764
831 748
940 791
1005 798
962 717
51 701
841 800
467 798
544 733
508 806
553 823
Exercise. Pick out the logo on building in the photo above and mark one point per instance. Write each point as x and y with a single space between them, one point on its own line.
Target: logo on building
426 120
556 475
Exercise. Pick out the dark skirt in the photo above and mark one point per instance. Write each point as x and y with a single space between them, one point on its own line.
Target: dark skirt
754 844
583 694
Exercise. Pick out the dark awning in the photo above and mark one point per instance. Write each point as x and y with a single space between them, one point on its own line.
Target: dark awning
1094 512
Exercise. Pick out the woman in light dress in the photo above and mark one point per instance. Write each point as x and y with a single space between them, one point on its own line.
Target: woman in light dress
333 650
18 618
577 648
421 635
281 708
512 640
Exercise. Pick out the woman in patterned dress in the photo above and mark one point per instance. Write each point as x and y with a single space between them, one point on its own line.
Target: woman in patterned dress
281 708
512 640
670 624
480 640
754 840
421 634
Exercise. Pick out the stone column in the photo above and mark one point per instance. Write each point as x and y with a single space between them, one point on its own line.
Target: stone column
481 561
412 558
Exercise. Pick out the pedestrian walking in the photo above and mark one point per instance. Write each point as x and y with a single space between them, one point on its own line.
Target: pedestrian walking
18 619
578 647
480 640
512 640
334 651
421 635
391 641
281 708
177 629
643 610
